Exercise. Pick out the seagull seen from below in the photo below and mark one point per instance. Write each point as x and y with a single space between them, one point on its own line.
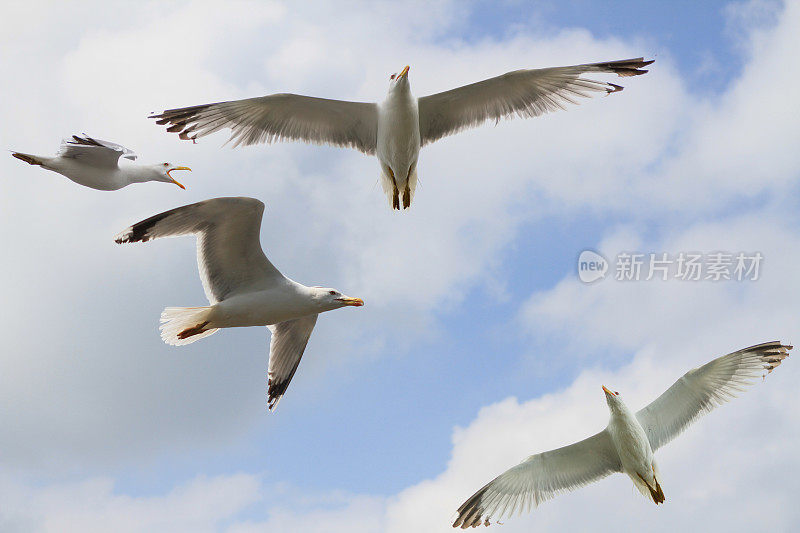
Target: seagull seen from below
95 163
243 288
627 444
395 129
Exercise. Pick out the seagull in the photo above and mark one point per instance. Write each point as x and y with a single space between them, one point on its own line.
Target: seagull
243 288
627 444
95 164
395 129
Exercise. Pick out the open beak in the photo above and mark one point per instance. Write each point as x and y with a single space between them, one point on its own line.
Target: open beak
173 179
404 72
355 302
607 391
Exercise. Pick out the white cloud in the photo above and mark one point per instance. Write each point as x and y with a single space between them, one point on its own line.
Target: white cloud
102 366
90 382
234 503
201 505
721 472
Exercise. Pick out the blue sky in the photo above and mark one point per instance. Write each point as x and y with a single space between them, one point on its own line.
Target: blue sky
474 312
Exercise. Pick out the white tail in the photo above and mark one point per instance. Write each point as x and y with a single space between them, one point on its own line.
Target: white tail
184 325
387 183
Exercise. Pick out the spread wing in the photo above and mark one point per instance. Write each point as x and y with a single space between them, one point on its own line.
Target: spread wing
289 340
701 390
277 117
94 151
229 253
525 93
539 478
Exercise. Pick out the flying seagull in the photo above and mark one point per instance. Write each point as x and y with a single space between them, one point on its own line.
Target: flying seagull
95 163
397 128
627 444
243 288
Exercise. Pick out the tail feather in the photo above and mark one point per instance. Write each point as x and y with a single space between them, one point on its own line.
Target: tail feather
28 158
390 186
184 325
411 186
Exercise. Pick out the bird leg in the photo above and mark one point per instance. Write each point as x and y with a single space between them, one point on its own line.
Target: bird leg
407 197
196 330
656 493
395 191
659 492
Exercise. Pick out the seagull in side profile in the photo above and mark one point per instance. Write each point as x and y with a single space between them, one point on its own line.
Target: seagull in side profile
95 163
243 288
397 128
627 444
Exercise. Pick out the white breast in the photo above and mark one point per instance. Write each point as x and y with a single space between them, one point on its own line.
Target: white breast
89 176
632 444
398 134
261 308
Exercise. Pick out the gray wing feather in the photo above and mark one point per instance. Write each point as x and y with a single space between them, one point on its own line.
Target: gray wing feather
94 151
276 117
539 478
524 93
702 389
229 253
289 340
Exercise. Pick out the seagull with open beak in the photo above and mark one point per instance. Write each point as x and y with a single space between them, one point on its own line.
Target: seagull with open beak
94 163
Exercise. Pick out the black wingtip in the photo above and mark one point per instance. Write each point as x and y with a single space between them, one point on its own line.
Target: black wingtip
139 231
275 391
470 514
773 354
84 141
25 157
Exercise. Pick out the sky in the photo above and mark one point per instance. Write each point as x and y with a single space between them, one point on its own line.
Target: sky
478 344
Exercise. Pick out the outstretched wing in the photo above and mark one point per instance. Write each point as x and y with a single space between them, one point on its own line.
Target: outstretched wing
289 340
277 117
229 253
525 93
539 478
94 151
702 389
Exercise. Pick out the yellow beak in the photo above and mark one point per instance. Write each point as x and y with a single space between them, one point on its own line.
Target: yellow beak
404 72
355 302
173 179
607 391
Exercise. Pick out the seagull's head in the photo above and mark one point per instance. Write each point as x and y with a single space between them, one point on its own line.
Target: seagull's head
613 398
329 299
399 80
163 173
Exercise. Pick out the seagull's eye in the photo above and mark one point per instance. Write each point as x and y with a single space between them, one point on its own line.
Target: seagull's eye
392 76
332 293
166 164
